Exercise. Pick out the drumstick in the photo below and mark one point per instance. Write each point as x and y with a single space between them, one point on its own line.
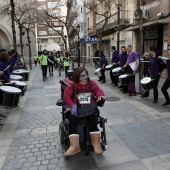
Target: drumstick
6 68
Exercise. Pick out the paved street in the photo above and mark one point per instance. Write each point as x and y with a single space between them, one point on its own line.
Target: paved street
138 131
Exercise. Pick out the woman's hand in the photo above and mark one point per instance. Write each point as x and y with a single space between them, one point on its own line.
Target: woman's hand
1 72
67 110
100 98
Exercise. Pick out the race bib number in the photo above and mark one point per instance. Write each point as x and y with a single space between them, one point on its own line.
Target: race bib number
84 98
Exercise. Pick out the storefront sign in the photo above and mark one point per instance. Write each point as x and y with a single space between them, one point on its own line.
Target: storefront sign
88 40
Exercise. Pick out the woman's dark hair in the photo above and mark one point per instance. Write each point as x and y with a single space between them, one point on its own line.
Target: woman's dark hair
113 48
153 48
66 54
77 72
4 56
101 53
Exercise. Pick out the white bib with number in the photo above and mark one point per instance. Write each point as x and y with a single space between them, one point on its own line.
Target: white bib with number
84 98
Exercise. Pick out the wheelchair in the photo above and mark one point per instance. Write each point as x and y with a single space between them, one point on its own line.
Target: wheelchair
83 126
83 131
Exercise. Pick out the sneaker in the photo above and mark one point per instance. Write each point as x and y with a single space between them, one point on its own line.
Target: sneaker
115 85
155 101
103 82
111 83
132 94
99 80
166 103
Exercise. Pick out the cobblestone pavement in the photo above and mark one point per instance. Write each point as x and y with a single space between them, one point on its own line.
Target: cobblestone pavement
138 131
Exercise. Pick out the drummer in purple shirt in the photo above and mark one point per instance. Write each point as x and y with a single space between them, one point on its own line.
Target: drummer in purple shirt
5 75
122 62
115 62
166 84
103 64
156 66
132 58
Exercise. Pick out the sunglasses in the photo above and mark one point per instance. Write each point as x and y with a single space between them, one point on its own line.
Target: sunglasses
83 75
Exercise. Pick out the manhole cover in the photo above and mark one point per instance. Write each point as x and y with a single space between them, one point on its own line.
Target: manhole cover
112 99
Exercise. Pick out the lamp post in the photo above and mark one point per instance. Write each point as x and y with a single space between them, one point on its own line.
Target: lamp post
78 44
118 4
65 39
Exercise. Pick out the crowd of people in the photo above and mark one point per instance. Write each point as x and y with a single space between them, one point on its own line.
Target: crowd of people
129 62
51 60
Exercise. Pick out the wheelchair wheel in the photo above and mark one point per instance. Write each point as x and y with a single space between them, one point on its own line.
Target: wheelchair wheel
61 133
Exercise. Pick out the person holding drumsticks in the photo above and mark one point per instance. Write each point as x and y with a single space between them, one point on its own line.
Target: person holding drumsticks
114 61
156 66
103 64
166 84
133 59
4 75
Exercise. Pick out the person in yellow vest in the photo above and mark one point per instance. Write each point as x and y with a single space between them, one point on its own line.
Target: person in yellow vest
59 63
66 60
20 63
35 60
44 63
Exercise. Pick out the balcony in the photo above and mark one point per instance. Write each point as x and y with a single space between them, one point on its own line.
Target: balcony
112 22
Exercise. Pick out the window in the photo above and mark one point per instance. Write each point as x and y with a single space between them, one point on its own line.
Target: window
44 40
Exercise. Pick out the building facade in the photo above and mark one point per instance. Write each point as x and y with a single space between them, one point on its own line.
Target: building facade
6 37
49 29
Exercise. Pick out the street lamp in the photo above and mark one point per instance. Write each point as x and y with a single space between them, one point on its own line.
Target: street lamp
118 4
78 44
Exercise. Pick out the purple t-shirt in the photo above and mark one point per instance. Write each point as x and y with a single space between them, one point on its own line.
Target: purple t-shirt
154 66
103 61
115 57
6 74
123 59
132 57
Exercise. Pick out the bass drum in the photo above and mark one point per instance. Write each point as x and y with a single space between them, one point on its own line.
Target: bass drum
109 67
97 71
123 79
146 83
19 72
16 77
117 71
9 96
19 84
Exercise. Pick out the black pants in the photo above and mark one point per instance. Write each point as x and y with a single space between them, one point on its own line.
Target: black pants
164 88
44 70
112 78
92 120
103 75
66 68
50 68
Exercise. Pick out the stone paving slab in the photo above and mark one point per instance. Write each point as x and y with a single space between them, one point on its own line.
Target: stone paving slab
145 139
38 119
43 152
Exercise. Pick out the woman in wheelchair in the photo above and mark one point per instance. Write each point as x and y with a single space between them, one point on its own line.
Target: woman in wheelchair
83 92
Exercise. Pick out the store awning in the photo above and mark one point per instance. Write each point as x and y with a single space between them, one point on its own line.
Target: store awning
162 21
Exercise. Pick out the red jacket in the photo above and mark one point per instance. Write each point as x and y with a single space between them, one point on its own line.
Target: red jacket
90 87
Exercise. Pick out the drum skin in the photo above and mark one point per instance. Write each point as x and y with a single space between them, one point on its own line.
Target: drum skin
16 77
146 83
19 73
109 67
9 96
97 71
123 79
117 71
19 84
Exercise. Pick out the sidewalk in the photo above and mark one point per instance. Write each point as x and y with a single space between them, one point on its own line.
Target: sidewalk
138 131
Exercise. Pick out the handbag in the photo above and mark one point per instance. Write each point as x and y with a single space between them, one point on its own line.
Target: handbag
87 110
